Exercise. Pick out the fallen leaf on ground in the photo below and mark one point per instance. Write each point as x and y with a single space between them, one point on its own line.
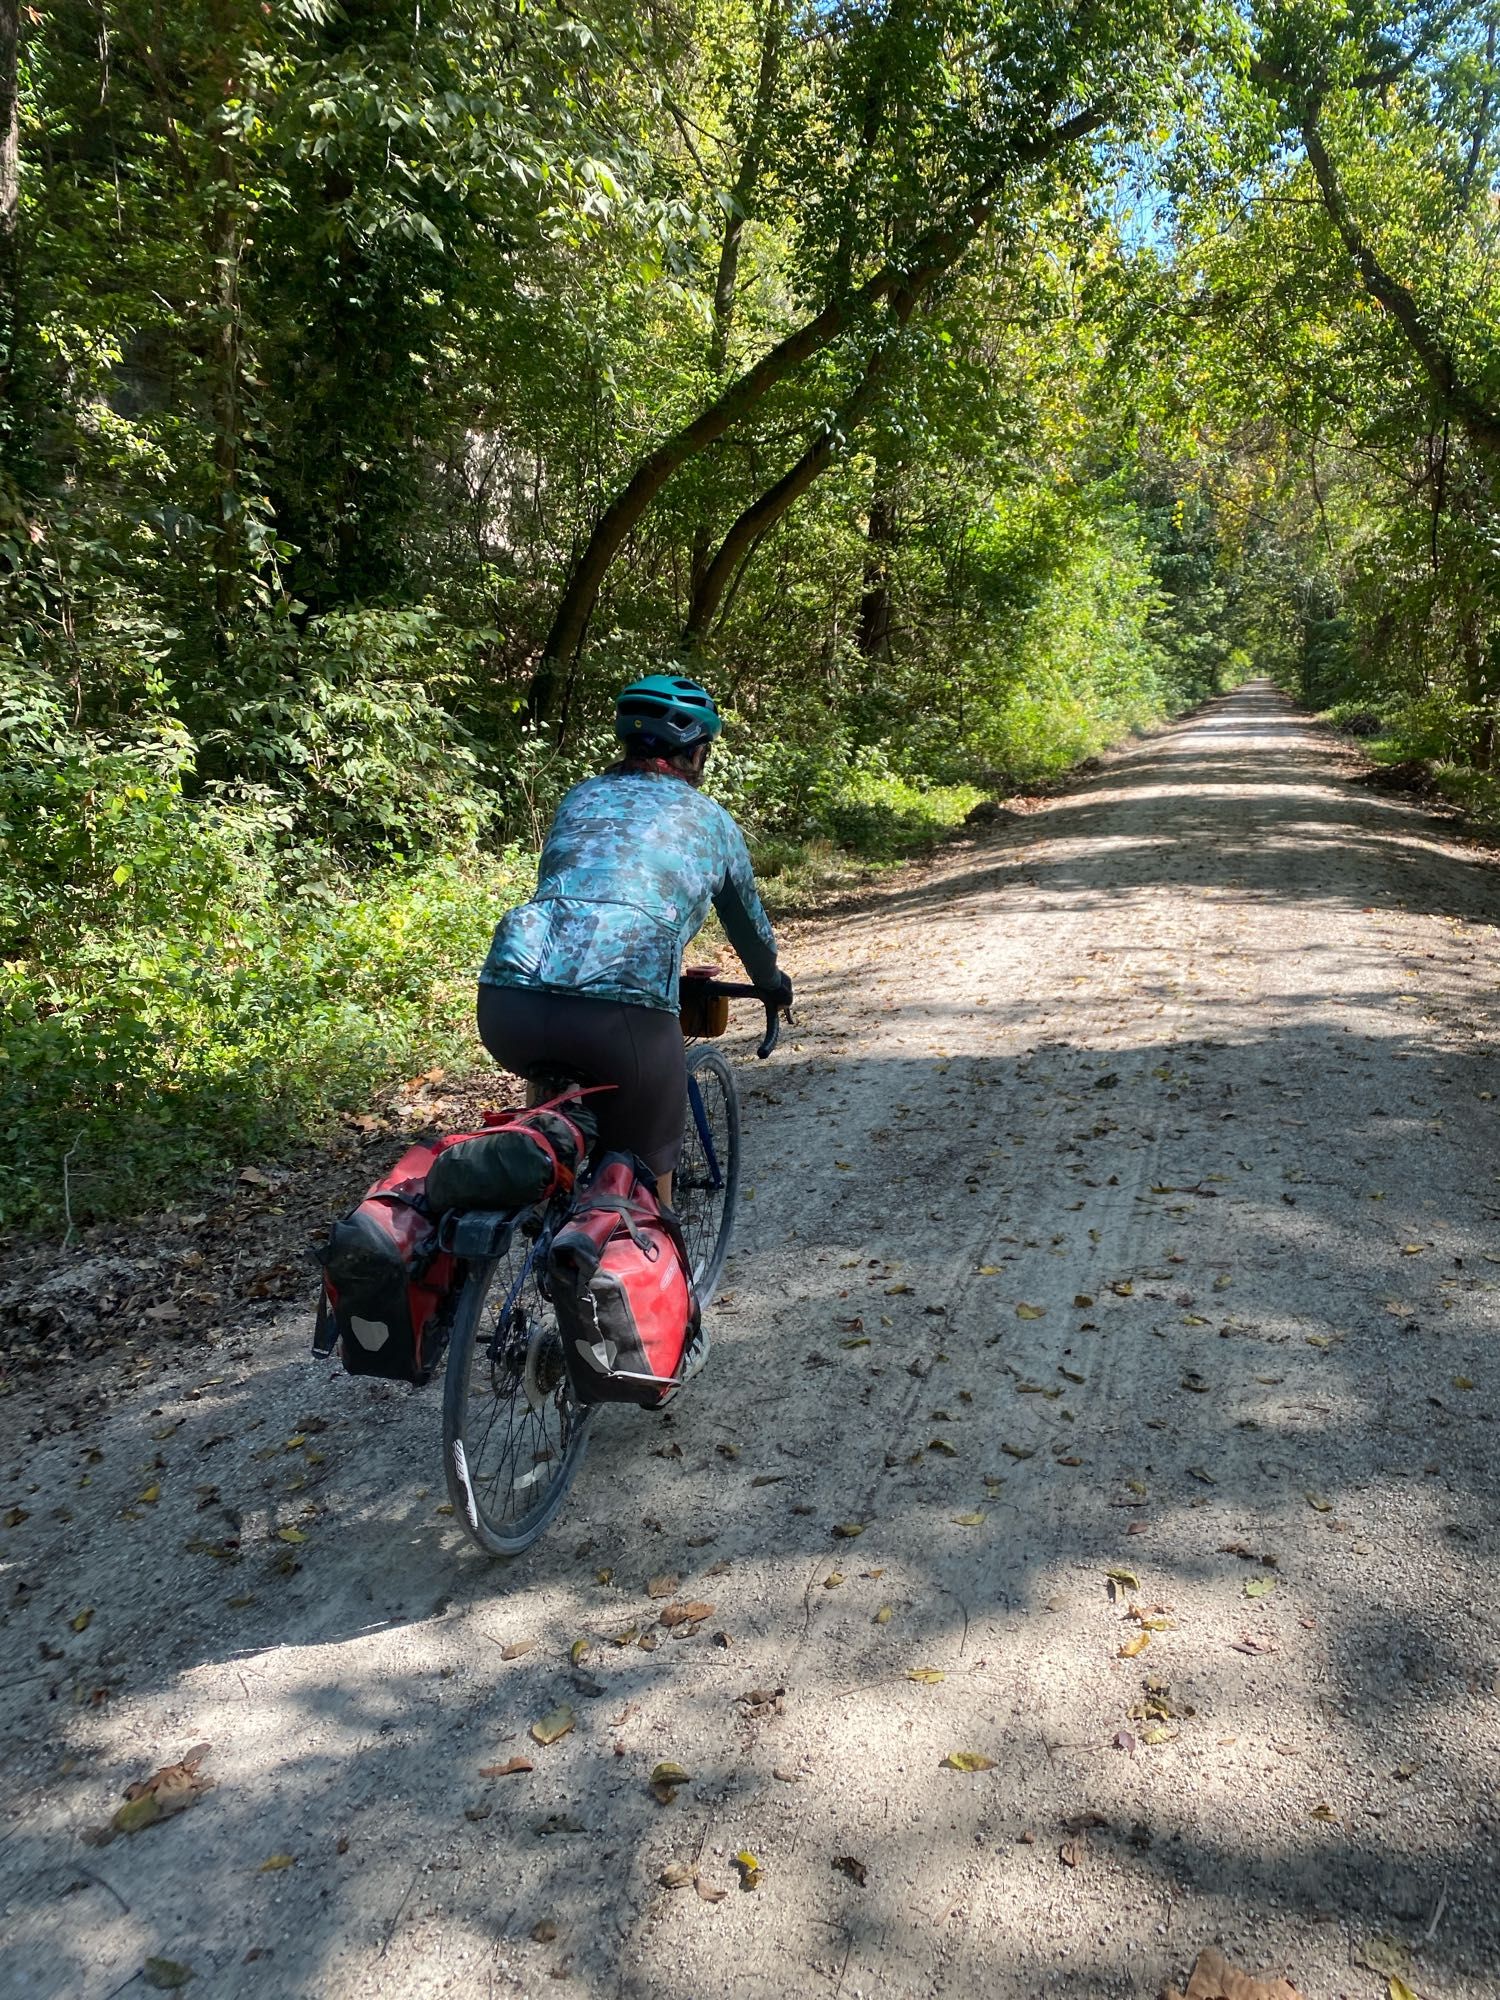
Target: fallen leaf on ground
15 1516
942 1445
1070 1853
274 1863
847 1531
290 1535
885 1614
1325 1813
760 1702
749 1867
1152 1619
1318 1504
544 1932
661 1586
974 1520
676 1875
846 1864
929 1676
667 1773
172 1789
1122 1288
1019 1450
577 1650
707 1890
1247 1644
1136 1643
966 1760
1123 1740
1385 1954
1214 1978
1127 1577
1024 1311
1260 1586
685 1614
552 1728
166 1975
511 1768
1396 1988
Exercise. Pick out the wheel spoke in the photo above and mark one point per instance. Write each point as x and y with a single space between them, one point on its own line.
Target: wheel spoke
519 1454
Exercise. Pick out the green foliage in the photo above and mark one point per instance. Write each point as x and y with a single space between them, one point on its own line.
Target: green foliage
339 330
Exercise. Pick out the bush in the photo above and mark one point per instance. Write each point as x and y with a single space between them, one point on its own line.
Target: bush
181 981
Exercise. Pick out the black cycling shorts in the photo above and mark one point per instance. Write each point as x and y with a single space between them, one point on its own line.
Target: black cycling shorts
639 1050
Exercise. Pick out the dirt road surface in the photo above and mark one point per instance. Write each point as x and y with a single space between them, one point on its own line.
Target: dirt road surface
1127 1201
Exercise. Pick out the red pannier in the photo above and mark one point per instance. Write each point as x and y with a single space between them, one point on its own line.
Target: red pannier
387 1279
618 1272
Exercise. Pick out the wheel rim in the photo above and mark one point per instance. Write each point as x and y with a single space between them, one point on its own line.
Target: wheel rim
514 1447
702 1189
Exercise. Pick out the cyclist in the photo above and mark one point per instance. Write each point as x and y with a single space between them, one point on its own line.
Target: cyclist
583 978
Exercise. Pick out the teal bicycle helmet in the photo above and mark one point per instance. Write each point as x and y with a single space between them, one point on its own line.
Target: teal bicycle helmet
669 709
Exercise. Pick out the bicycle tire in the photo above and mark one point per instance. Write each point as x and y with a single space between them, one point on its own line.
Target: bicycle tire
487 1367
706 1203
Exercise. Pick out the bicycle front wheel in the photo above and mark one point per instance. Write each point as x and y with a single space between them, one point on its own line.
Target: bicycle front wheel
705 1191
513 1435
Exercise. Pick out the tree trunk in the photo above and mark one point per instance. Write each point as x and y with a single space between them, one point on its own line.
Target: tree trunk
10 210
926 258
875 604
1477 688
741 196
763 513
223 237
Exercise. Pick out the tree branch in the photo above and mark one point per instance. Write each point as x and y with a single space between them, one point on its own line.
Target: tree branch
1481 423
927 256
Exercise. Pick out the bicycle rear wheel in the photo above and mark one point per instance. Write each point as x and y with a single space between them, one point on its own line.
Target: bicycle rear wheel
705 1191
513 1435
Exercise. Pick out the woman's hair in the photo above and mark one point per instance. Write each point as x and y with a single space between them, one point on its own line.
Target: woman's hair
644 752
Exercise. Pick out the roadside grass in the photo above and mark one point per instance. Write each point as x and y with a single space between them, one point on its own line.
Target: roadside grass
1391 746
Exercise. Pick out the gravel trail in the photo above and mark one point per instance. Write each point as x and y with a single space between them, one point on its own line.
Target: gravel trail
1126 1201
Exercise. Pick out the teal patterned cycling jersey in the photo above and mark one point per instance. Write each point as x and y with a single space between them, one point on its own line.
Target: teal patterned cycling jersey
629 868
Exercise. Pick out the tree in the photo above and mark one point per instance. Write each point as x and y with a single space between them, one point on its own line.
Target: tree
1031 92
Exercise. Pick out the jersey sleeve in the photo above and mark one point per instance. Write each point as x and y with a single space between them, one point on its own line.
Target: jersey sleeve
739 908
